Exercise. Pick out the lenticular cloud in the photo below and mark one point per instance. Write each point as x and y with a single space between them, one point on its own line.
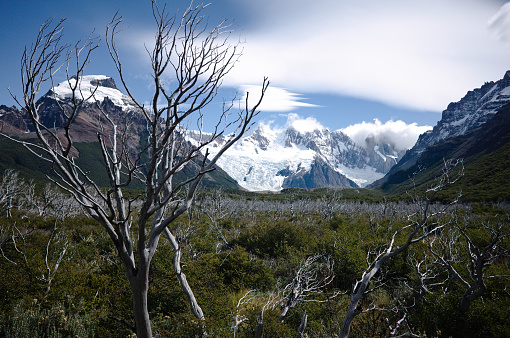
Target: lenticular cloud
402 135
275 99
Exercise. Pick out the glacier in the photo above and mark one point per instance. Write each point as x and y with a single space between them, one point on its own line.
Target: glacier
269 157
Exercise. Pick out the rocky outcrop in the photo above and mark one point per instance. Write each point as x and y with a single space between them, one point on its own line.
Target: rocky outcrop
319 175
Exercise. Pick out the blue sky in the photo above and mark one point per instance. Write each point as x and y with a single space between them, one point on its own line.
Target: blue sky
340 62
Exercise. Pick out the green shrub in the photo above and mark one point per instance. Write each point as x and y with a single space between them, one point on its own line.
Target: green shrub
277 240
57 321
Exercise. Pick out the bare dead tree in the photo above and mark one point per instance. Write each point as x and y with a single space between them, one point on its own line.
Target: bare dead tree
329 204
422 224
429 276
402 325
216 213
239 318
52 203
481 254
11 188
196 59
55 250
272 301
13 235
259 329
311 278
49 203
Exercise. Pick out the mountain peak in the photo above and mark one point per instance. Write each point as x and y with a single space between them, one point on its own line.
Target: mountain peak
106 82
92 88
94 80
309 156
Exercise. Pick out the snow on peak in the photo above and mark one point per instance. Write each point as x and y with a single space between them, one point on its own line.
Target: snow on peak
92 88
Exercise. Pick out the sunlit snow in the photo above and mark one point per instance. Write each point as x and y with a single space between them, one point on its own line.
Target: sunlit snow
259 168
92 93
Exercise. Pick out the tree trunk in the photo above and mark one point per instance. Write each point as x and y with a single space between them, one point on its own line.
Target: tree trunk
259 330
302 326
349 317
195 308
139 288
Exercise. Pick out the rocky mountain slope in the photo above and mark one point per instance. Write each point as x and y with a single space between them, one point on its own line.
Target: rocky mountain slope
475 129
267 159
486 160
476 108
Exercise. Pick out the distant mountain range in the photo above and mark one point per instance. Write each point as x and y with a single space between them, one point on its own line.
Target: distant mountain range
264 160
270 159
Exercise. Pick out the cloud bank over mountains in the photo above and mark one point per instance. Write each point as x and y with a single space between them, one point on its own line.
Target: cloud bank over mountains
411 55
402 135
398 133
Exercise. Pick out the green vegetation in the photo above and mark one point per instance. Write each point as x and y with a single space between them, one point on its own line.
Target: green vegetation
15 156
60 275
486 177
238 246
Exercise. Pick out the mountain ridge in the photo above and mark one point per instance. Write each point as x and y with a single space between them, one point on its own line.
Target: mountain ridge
486 158
270 158
469 113
274 159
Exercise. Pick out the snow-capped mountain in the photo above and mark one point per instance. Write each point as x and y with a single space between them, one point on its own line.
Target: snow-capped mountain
476 108
93 93
273 159
100 106
93 88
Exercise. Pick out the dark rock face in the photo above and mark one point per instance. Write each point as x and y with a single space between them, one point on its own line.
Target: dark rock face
339 149
108 83
320 175
12 120
260 139
50 111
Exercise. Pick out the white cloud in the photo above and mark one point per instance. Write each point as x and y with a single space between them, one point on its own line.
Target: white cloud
304 125
414 54
402 135
275 99
293 120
